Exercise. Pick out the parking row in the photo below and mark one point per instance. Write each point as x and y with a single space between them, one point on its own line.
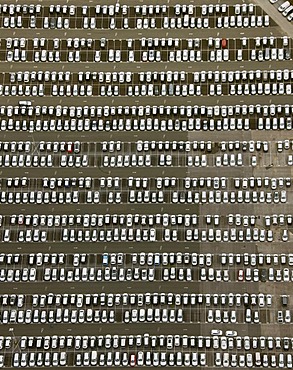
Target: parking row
286 9
158 357
148 183
169 234
218 340
174 160
147 90
138 197
258 359
88 44
216 196
171 159
123 147
117 358
133 124
136 300
25 108
117 55
28 160
187 359
160 182
121 274
112 10
189 146
148 258
202 77
30 147
140 234
109 359
115 234
159 77
176 221
150 315
61 21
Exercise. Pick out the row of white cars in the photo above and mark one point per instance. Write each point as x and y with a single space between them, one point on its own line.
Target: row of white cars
121 274
218 339
62 21
286 8
183 55
116 358
150 259
166 219
25 107
138 196
131 160
281 360
147 90
149 124
111 10
157 354
181 43
150 56
139 300
143 259
176 183
148 76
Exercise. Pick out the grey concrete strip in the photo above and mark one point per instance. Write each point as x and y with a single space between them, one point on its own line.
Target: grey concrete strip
135 33
129 287
127 329
141 66
158 100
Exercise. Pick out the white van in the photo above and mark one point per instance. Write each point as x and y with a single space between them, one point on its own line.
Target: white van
149 315
284 6
157 259
25 102
6 236
257 359
226 359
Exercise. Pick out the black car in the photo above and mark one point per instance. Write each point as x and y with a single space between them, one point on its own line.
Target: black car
52 23
263 275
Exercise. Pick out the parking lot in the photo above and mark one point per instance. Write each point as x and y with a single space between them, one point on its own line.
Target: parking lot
146 184
128 17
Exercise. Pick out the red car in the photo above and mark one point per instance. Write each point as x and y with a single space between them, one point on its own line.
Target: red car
69 147
132 360
224 43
